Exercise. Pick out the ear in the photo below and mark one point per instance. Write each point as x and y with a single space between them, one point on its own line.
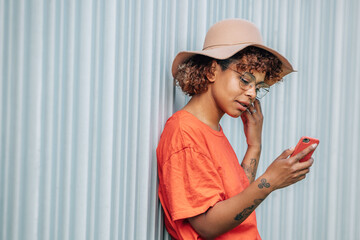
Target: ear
211 75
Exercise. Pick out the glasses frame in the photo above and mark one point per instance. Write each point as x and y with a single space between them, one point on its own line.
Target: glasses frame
261 91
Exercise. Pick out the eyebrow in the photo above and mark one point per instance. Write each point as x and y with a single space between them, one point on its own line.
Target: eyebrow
254 78
257 83
260 82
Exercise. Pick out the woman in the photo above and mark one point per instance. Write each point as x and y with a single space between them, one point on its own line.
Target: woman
204 191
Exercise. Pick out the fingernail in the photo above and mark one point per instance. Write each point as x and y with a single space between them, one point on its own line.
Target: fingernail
314 145
292 148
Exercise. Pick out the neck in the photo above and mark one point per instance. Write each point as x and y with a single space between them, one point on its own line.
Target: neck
204 107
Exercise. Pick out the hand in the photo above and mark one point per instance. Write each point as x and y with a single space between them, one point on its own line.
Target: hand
253 122
285 171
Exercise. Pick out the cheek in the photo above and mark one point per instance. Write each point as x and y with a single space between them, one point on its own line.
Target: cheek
226 92
232 88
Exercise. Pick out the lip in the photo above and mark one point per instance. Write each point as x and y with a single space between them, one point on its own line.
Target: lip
241 107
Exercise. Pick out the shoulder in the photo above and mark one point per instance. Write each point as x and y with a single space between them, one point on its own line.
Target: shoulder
181 122
178 127
181 131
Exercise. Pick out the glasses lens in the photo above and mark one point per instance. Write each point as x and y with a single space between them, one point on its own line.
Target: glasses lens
247 81
261 92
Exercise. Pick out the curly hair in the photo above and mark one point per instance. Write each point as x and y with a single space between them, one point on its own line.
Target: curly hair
192 75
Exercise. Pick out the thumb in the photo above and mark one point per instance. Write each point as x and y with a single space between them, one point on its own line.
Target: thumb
244 117
287 152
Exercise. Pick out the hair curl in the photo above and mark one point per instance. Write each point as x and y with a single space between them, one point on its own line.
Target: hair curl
192 74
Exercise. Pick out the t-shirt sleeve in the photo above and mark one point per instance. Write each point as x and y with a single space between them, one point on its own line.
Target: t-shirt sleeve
191 184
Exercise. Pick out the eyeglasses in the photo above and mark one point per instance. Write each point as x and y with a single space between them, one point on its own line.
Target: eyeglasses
248 81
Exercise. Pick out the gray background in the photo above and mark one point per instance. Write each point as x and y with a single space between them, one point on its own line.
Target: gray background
86 89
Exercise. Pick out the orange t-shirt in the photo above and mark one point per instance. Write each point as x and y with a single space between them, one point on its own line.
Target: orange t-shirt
197 168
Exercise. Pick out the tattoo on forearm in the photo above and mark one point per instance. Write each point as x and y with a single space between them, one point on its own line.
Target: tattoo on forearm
251 170
247 211
264 184
253 166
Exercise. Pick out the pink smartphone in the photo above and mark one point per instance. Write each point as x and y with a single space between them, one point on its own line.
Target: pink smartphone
303 143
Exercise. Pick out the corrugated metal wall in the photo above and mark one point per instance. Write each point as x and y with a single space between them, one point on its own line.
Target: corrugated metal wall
86 89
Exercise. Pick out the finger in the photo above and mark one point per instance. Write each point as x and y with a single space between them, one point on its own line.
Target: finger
252 110
257 106
255 110
306 164
302 177
303 172
246 115
303 153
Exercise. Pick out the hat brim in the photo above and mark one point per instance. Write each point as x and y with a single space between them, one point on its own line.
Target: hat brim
225 52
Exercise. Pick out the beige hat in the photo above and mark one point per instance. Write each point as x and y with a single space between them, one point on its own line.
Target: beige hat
225 38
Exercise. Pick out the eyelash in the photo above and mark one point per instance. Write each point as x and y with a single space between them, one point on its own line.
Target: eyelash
257 88
243 80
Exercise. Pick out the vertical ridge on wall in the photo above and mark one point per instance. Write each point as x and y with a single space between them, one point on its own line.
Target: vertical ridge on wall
86 88
122 111
116 172
7 125
4 16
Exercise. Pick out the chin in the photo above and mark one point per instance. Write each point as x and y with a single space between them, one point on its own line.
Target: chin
235 114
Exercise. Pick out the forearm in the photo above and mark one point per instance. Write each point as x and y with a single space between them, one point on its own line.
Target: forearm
228 214
251 161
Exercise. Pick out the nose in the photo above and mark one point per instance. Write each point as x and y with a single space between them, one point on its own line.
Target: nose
251 93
